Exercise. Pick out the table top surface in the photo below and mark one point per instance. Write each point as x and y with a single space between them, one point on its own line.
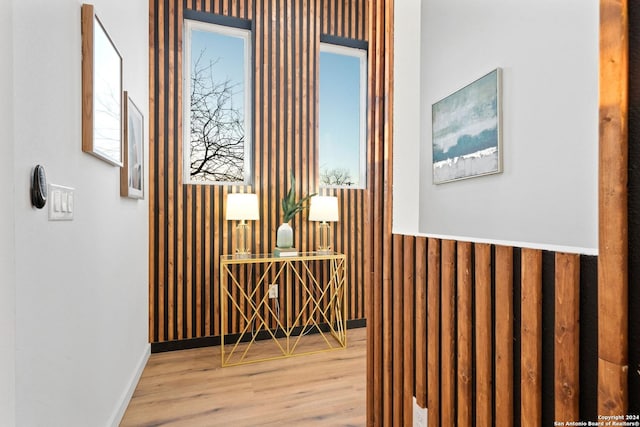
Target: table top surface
300 256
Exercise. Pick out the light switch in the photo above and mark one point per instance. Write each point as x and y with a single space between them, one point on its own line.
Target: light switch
56 200
62 207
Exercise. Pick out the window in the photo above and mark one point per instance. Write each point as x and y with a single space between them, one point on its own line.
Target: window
217 103
343 116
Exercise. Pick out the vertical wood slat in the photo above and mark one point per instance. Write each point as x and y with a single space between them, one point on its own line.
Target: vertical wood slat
372 307
257 130
421 322
295 164
613 230
567 337
531 335
306 86
447 331
161 180
433 332
408 328
274 185
387 348
207 258
385 79
152 173
354 254
464 336
189 263
263 147
397 328
179 192
198 262
325 13
504 337
170 176
190 279
483 335
215 237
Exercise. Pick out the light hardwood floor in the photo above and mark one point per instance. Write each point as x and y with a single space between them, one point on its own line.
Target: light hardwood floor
189 388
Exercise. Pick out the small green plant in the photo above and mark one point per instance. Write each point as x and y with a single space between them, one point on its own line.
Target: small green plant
289 205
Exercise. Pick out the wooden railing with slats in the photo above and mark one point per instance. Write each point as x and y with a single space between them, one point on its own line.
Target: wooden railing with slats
471 318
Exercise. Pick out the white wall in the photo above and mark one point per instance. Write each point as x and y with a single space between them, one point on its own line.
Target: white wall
81 286
7 224
406 117
548 50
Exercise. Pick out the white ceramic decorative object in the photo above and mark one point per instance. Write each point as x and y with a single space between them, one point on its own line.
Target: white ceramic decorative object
284 236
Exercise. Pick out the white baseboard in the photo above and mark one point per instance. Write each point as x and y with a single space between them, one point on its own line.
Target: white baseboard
123 402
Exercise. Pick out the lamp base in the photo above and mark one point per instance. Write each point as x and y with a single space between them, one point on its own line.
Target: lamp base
242 235
324 246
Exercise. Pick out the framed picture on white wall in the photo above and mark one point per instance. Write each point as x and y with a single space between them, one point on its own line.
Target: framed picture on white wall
101 91
132 172
466 131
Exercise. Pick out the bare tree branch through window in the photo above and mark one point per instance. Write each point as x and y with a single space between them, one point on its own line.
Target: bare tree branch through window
336 177
217 132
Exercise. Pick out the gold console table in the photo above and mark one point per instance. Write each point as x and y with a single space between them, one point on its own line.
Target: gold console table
309 296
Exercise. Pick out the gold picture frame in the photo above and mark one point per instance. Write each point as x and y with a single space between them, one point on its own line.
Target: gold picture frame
101 91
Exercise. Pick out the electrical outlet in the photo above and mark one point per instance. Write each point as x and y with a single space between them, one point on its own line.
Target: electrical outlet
273 290
420 415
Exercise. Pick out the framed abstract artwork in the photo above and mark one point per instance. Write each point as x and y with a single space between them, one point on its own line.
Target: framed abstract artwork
466 131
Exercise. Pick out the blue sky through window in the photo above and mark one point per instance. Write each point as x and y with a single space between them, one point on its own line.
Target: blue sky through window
340 125
228 54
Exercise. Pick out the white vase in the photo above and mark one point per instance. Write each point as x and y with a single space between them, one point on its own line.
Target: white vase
284 236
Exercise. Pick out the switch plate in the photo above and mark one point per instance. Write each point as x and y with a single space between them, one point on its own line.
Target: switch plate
61 208
273 290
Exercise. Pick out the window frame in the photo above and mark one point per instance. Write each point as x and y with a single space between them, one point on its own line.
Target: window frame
228 26
358 49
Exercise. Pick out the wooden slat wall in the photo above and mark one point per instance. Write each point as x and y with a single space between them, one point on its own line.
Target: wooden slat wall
484 325
188 232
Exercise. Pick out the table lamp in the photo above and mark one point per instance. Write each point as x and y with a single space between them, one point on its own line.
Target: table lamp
242 207
324 209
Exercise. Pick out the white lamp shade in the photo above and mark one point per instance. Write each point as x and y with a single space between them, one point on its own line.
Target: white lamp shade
323 208
242 206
